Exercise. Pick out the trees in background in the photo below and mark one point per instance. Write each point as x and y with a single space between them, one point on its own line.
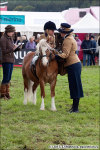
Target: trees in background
49 5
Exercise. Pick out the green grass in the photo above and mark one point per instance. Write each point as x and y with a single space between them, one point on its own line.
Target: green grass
27 126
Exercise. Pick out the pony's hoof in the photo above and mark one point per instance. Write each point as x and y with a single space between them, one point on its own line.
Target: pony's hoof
53 109
34 102
42 108
25 103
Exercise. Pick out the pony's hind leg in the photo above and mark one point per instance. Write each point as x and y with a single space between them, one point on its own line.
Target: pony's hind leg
25 91
30 92
35 85
42 95
52 86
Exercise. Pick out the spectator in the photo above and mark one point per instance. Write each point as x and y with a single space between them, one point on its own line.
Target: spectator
24 40
18 40
38 38
15 38
31 43
79 42
93 50
86 46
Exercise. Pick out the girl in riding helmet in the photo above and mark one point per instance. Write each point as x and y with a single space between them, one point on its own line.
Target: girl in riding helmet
49 28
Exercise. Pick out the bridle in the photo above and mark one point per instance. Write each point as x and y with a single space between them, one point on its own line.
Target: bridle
50 49
50 55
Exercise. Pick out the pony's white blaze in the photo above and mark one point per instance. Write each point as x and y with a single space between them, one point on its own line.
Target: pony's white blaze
43 46
44 59
34 97
42 105
25 97
53 107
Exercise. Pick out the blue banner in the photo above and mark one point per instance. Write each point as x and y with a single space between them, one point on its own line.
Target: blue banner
12 19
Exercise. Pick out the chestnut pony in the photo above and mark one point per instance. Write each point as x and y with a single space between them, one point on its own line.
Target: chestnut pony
45 71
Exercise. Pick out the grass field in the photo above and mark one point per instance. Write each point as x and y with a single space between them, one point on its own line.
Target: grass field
28 128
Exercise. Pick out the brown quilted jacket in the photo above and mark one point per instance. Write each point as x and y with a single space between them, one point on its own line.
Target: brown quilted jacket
7 47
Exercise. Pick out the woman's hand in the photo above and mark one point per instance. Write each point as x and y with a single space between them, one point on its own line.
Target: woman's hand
55 51
15 46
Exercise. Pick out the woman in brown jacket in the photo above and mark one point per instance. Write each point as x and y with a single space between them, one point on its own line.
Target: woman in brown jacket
73 64
7 48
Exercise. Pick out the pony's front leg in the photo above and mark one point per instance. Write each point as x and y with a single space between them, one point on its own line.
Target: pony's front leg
42 95
52 86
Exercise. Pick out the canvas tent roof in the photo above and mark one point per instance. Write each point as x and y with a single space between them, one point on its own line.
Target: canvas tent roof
88 24
96 12
72 15
34 21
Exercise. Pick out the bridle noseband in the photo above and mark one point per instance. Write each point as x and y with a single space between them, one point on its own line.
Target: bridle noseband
41 56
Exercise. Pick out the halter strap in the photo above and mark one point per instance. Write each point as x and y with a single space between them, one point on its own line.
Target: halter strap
44 56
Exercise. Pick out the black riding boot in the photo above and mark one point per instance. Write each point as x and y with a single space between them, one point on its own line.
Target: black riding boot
75 106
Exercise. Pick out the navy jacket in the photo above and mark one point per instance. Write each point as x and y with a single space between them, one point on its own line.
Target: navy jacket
86 46
93 45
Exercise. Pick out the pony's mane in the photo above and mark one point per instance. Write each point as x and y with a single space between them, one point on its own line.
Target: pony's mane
42 46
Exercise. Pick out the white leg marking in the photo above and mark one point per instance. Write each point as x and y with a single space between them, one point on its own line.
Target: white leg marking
30 93
53 107
25 97
42 104
34 98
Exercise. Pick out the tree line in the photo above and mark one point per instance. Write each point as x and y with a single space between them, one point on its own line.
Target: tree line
48 5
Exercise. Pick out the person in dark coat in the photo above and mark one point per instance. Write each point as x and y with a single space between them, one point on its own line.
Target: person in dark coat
72 64
86 46
7 48
93 50
24 40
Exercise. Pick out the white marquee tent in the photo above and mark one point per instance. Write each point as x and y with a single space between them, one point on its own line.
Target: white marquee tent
34 21
88 24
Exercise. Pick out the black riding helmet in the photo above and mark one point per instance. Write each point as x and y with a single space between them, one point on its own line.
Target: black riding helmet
50 26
